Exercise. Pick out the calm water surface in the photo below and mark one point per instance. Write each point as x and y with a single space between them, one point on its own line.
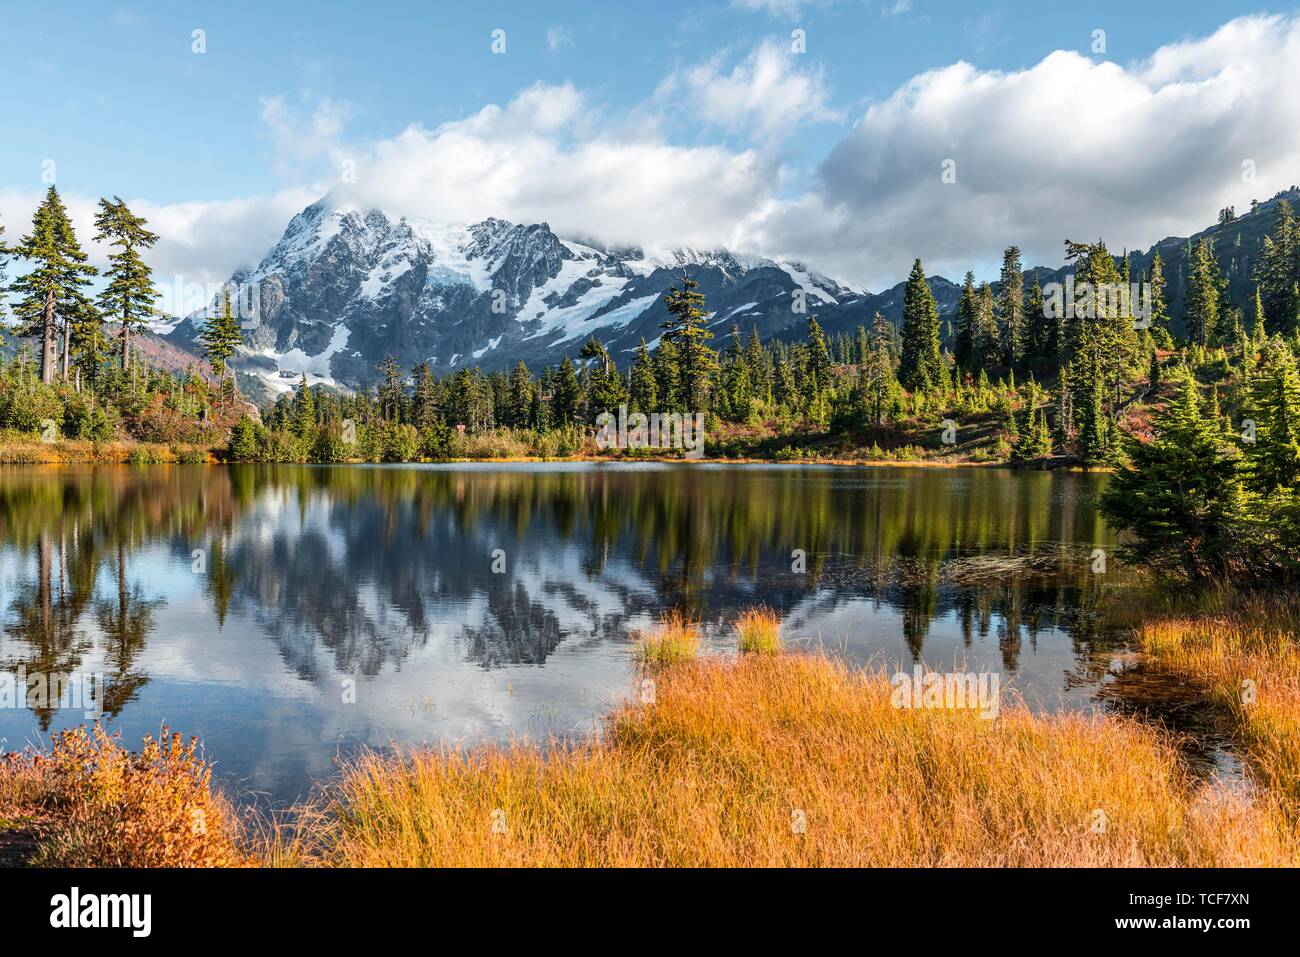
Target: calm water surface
288 615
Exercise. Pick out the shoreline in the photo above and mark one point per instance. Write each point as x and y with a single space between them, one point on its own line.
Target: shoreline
152 453
1024 772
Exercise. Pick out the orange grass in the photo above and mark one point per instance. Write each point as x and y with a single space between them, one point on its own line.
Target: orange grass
759 631
1248 655
675 639
732 757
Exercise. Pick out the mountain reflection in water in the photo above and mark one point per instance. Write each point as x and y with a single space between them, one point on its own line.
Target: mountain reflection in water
287 614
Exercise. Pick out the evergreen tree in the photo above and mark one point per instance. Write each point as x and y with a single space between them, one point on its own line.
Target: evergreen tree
1273 459
390 388
1202 294
759 374
129 295
879 383
1180 499
986 347
568 394
737 389
921 362
220 337
1011 297
4 259
51 288
667 376
304 409
688 330
1278 272
605 390
1159 305
964 339
426 398
521 397
819 358
644 392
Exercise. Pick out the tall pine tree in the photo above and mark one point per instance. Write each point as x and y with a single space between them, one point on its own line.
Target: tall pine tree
129 295
921 365
51 288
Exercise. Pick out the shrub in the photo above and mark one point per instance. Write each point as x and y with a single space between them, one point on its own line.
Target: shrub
92 421
116 808
401 443
245 438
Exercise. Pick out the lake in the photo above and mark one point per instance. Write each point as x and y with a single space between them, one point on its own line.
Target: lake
291 614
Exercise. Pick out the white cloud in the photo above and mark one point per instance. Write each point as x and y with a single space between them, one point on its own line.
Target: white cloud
542 158
1069 147
201 241
767 93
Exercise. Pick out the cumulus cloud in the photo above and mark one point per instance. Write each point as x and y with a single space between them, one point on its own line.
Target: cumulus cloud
200 241
540 158
1069 147
768 93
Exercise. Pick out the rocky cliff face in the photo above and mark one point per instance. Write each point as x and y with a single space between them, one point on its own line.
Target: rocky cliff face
345 287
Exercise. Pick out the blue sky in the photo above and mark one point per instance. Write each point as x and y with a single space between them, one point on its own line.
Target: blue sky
224 145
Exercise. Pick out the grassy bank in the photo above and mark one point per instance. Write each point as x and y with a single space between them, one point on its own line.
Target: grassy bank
1247 654
770 759
32 451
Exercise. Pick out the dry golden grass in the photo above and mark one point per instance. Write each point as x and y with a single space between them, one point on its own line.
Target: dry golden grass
675 639
96 804
759 631
732 757
1249 657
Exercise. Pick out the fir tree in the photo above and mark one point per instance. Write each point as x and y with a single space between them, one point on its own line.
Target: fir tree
521 397
51 288
304 409
1180 499
644 391
568 394
1273 458
1202 294
921 362
1159 305
879 382
426 398
129 295
964 338
220 337
605 390
688 331
1011 297
390 388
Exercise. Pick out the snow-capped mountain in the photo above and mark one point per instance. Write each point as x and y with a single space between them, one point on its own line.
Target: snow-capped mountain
344 287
